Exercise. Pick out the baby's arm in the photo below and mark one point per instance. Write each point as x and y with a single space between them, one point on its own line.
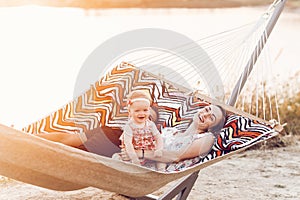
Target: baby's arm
130 149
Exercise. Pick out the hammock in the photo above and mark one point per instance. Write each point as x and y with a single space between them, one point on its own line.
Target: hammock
103 107
59 167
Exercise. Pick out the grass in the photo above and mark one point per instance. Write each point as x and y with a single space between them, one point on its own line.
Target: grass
289 111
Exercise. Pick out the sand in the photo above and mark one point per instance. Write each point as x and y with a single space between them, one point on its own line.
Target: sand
254 174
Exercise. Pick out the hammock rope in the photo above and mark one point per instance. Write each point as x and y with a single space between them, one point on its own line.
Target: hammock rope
183 67
212 45
263 103
236 45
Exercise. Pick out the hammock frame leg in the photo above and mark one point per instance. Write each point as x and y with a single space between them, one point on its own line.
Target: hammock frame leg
181 189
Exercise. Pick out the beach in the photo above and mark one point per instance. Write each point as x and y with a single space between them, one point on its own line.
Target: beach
262 173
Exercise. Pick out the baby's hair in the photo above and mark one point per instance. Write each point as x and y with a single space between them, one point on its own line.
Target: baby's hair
138 94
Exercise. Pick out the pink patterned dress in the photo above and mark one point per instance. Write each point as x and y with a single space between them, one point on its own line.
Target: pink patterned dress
143 137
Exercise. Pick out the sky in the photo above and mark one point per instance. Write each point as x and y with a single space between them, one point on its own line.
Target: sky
43 49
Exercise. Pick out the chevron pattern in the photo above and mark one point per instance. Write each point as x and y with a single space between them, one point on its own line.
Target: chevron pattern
238 132
104 104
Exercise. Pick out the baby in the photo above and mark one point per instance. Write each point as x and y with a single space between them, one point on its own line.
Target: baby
140 133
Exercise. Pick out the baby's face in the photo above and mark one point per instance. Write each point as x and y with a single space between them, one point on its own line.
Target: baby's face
139 111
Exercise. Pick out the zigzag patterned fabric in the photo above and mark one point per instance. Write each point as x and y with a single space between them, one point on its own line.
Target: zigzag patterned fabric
239 132
104 105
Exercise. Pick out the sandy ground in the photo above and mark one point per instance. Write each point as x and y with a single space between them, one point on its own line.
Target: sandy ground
254 174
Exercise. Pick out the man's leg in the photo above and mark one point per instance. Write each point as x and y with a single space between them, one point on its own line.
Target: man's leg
72 140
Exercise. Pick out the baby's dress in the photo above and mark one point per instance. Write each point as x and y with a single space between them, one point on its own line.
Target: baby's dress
142 136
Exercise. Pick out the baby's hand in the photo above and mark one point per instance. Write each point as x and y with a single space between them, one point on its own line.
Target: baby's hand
158 153
124 155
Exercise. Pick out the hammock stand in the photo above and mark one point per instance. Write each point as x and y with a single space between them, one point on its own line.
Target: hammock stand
184 186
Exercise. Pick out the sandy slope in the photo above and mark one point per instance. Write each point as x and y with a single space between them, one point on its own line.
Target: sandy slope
256 174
